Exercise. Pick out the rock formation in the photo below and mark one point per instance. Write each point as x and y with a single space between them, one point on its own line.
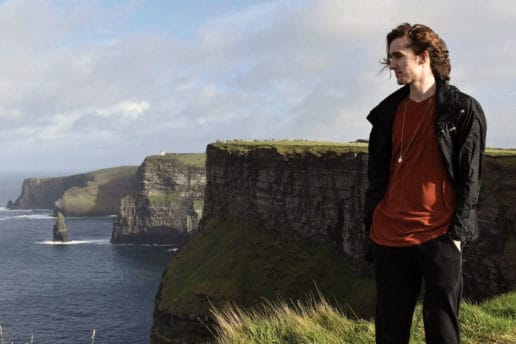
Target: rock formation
95 193
167 204
41 193
316 195
60 231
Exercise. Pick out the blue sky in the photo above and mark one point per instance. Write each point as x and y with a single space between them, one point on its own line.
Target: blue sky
94 84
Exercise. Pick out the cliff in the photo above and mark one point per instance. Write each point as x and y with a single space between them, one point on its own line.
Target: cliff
167 203
280 218
94 193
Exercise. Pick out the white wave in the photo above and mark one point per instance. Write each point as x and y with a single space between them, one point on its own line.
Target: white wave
156 245
74 242
7 210
28 217
89 217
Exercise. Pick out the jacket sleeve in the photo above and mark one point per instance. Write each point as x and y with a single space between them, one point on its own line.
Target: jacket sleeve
377 176
471 130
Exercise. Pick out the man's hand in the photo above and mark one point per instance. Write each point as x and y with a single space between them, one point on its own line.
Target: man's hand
457 243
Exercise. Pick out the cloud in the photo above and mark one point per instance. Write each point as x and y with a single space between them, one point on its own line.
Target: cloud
77 81
126 110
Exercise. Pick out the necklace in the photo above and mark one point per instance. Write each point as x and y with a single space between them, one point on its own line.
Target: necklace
400 158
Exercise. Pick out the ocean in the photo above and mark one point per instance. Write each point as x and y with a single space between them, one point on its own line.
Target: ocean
62 293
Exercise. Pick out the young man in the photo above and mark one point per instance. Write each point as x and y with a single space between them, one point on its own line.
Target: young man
425 164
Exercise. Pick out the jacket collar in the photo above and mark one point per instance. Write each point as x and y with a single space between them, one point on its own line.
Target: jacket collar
383 113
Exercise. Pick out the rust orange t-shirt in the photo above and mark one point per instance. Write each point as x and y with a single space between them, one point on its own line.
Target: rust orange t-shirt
420 200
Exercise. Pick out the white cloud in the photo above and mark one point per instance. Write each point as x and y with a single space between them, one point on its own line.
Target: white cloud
72 80
127 110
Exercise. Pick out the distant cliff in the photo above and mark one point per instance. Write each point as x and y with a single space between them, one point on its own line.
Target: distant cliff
281 217
167 203
89 194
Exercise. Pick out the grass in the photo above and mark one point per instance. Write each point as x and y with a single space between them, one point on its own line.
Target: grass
101 195
292 146
109 174
319 322
500 151
243 263
187 159
316 147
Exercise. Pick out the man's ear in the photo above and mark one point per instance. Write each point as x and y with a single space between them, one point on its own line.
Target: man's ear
424 56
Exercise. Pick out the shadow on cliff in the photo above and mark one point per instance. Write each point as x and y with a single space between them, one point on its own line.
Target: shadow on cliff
109 194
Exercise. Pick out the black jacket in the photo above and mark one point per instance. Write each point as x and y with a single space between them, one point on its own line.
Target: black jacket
460 129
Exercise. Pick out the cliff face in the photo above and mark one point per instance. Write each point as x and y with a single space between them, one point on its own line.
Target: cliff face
315 196
320 197
167 203
94 193
41 193
490 262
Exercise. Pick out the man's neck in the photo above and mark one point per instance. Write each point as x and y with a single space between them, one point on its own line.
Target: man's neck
422 89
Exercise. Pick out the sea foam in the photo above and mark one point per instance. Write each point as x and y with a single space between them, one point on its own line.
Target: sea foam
74 242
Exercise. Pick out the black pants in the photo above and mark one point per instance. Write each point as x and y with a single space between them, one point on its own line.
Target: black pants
399 274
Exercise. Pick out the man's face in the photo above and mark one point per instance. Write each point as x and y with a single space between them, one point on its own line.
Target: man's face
407 66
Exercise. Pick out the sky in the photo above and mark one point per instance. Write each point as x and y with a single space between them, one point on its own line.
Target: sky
93 84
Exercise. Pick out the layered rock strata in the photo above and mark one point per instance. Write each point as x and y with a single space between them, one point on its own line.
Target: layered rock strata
318 195
167 204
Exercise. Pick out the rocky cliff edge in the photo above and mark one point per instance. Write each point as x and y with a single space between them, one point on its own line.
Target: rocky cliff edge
167 203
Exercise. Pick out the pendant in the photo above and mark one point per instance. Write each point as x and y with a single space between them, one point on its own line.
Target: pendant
400 159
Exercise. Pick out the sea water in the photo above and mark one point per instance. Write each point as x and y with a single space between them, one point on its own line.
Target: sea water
62 292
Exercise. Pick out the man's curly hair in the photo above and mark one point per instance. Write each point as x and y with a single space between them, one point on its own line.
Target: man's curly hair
423 38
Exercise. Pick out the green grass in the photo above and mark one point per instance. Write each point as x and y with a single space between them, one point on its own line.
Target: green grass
101 194
317 147
292 146
500 151
188 159
109 174
319 322
164 198
243 263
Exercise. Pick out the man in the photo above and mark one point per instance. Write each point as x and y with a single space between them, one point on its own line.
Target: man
425 163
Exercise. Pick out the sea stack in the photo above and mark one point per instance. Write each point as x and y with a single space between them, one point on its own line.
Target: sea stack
60 230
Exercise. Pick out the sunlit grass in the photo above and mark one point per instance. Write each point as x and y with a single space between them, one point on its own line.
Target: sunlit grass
501 151
303 146
292 146
319 322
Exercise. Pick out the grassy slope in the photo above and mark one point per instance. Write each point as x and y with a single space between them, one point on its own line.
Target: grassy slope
101 193
241 263
493 321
